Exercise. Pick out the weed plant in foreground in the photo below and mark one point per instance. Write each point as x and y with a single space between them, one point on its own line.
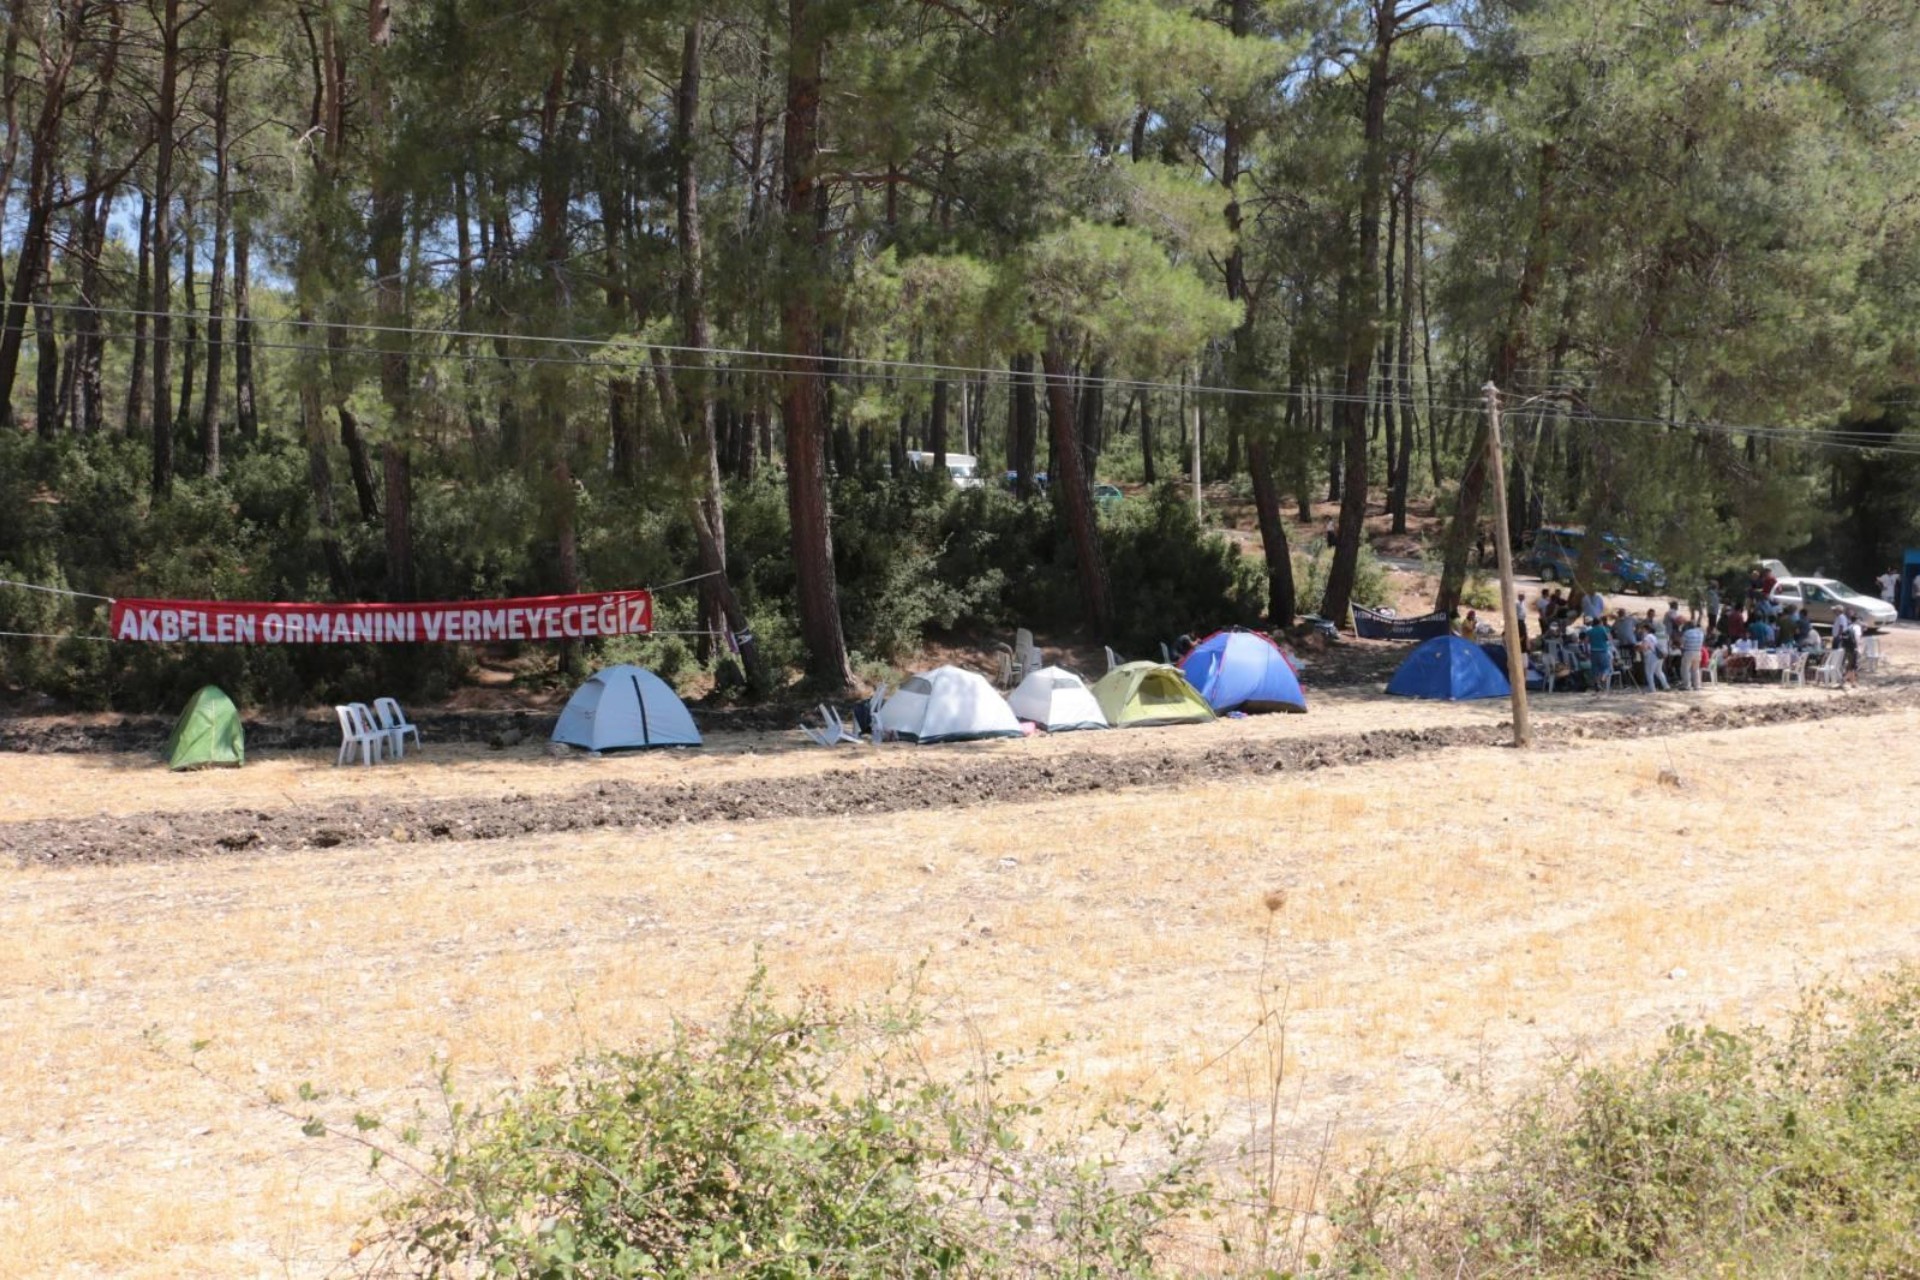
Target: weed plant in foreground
1721 1154
803 1141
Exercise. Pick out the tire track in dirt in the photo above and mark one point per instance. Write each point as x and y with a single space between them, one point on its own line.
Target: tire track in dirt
838 792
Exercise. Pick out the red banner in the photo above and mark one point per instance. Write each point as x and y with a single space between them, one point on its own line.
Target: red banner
609 613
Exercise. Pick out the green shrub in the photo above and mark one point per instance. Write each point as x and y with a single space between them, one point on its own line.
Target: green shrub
1170 576
1720 1154
807 1141
1310 570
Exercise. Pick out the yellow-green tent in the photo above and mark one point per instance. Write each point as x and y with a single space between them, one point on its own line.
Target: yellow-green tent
1140 694
208 732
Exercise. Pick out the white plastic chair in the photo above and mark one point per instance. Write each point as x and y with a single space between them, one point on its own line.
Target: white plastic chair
1832 672
1710 669
356 731
1795 672
877 701
1869 655
392 721
833 730
1113 659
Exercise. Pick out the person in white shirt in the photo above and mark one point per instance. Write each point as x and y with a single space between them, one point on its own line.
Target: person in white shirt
1593 606
1654 677
1889 586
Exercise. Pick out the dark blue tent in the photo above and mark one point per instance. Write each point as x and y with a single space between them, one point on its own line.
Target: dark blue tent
1243 669
1496 651
1450 669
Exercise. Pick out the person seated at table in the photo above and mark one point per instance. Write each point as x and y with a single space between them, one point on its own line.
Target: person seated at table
1804 634
1734 625
1761 632
1625 633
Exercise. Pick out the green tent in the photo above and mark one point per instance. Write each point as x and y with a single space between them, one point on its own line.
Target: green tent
1140 694
208 732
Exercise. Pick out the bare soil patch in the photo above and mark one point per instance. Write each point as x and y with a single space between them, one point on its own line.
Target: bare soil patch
1456 920
939 781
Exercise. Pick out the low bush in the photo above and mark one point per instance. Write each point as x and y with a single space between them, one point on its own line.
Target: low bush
1310 570
787 1142
1748 1154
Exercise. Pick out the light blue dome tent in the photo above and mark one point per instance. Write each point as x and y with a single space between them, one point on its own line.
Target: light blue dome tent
625 708
1243 670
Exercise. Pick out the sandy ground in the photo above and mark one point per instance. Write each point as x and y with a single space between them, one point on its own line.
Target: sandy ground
1453 921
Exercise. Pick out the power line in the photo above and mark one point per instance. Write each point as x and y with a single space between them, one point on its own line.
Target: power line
889 370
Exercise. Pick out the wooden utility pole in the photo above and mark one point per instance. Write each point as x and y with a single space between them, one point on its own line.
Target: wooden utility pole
1509 616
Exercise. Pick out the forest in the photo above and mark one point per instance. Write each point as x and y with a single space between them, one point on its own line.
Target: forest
438 299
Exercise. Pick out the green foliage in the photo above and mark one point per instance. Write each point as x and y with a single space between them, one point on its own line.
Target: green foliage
791 1141
1721 1154
1171 576
1310 571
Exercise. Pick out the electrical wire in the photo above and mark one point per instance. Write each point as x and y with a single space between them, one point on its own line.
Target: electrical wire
888 370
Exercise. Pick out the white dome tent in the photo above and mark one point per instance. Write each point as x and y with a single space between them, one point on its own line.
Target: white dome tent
1057 700
947 704
623 708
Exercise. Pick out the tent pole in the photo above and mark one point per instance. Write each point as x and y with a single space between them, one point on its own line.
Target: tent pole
1502 542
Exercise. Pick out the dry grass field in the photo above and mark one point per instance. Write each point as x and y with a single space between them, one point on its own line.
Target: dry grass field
1453 924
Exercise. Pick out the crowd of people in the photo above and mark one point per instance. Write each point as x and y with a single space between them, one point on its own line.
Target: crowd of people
1575 640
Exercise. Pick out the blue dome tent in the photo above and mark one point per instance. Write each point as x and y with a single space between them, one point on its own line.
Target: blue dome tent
1243 670
1450 669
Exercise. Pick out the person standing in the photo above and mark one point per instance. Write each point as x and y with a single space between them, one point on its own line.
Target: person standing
1713 601
1600 647
1651 676
1890 586
1693 642
1593 606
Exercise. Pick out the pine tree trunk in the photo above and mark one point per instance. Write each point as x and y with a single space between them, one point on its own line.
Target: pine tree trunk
166 109
387 228
246 414
721 608
1273 537
937 426
47 350
1071 493
217 278
136 416
1146 438
320 483
1362 322
1473 479
358 465
1397 501
190 339
803 236
1025 415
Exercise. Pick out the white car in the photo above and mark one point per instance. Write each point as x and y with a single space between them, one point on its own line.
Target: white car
1823 597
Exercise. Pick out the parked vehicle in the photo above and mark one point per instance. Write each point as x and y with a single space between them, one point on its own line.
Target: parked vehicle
963 467
1555 550
1823 597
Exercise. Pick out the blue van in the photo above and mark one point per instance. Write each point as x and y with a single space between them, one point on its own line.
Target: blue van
1555 550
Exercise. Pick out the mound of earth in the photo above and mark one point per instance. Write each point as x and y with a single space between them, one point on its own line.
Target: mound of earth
946 782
